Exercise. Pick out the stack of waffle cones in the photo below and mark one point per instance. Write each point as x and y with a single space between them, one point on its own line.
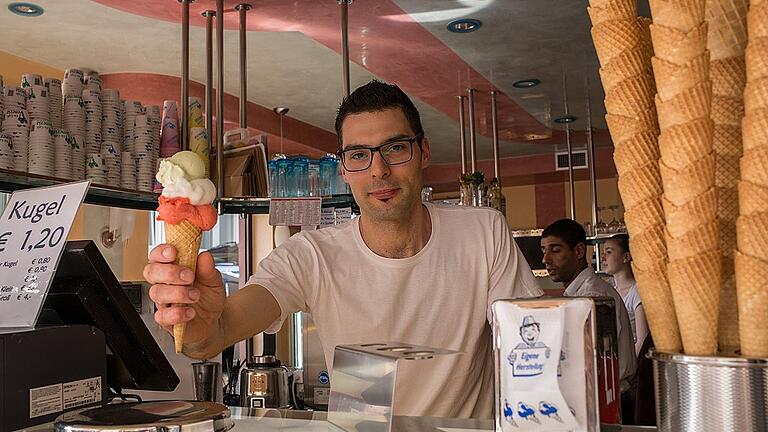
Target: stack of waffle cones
681 68
185 237
726 40
624 49
752 224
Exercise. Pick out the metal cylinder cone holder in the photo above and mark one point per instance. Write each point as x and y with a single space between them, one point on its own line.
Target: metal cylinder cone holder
695 393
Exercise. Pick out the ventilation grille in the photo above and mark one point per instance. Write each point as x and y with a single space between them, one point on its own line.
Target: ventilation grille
579 158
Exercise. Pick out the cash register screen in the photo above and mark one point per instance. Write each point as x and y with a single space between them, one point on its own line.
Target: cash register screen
85 291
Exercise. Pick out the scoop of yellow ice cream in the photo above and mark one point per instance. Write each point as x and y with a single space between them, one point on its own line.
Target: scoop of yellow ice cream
191 163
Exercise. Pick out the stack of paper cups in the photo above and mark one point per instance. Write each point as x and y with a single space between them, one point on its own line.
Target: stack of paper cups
128 173
38 104
155 119
16 124
14 98
41 150
29 80
111 155
62 165
95 168
77 142
2 90
93 82
111 116
6 152
198 143
93 118
195 116
73 83
145 171
170 110
142 137
132 109
121 126
55 102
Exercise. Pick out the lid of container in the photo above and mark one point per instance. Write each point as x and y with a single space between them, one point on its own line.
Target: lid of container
154 416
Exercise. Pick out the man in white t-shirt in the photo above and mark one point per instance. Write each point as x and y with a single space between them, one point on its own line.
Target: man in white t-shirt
403 271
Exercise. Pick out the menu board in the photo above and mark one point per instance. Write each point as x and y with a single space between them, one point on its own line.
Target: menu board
33 231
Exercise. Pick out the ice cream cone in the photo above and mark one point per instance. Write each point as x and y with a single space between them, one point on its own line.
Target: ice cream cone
728 76
630 63
727 236
686 106
728 203
622 127
648 246
726 170
640 184
682 15
756 95
726 140
695 284
612 10
682 145
638 150
653 287
727 110
728 331
757 59
754 166
680 186
611 38
753 198
697 240
754 128
752 297
672 79
727 27
677 46
645 31
757 20
752 235
185 237
644 215
631 97
698 211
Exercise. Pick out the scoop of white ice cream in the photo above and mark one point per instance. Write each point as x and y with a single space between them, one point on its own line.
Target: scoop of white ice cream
199 191
169 173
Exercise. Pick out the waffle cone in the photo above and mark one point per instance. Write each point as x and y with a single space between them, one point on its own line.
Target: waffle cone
752 297
630 63
680 186
753 198
623 128
677 46
672 79
639 150
185 237
682 145
640 184
697 240
643 216
728 321
727 27
612 10
757 59
696 212
728 203
682 15
648 246
728 111
695 284
645 31
728 76
631 97
726 140
754 129
757 20
726 170
754 166
728 242
752 235
756 95
611 38
653 287
686 106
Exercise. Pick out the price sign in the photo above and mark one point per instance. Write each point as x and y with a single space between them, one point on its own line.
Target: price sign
33 231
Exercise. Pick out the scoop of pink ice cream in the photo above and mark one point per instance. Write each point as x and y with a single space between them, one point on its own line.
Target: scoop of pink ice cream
177 210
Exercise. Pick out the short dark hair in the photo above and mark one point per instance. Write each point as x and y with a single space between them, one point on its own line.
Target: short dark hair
378 96
568 230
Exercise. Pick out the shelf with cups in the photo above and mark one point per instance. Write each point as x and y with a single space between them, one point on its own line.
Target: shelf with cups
261 205
97 194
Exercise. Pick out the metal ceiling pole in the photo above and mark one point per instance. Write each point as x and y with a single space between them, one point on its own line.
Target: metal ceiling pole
220 100
462 135
571 189
209 14
495 125
184 121
345 44
242 9
472 137
592 179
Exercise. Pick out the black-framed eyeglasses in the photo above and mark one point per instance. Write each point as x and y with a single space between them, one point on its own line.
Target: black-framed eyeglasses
395 152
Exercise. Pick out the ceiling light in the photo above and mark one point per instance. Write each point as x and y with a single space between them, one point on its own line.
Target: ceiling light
526 83
565 119
464 25
25 9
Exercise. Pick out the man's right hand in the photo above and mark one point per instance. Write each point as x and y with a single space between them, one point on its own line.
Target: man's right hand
181 296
